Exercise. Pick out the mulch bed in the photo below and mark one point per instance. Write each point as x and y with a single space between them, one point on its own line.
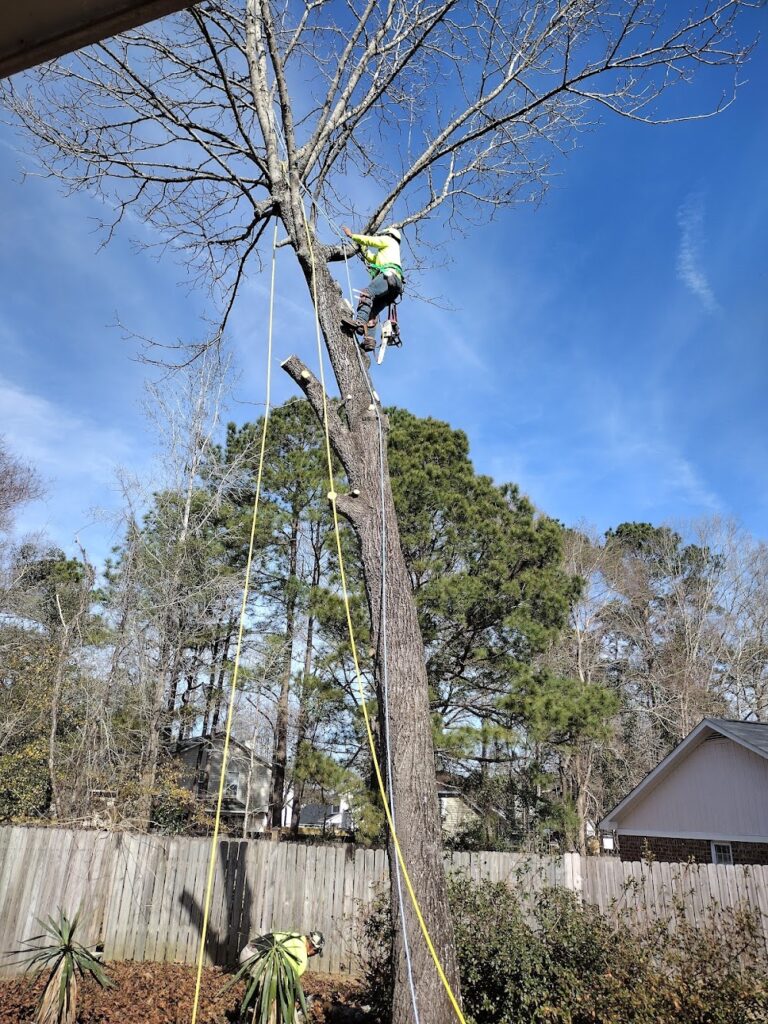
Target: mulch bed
147 993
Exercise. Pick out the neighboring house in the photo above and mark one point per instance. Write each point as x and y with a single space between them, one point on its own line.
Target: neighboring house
337 817
457 812
201 756
706 801
319 817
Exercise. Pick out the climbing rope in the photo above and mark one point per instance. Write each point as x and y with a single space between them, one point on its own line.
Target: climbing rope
388 809
353 645
383 615
238 650
384 660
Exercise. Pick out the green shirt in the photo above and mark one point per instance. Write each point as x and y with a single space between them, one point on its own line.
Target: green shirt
296 945
381 252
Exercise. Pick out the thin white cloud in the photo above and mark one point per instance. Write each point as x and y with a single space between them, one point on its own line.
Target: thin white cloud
690 220
621 461
77 458
636 439
58 442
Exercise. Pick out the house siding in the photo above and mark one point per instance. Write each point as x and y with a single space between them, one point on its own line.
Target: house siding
455 814
719 788
675 850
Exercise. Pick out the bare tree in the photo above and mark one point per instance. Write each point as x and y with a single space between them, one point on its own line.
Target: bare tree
218 120
19 483
579 653
69 634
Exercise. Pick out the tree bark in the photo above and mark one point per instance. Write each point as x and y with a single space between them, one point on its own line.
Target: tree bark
280 758
301 724
414 790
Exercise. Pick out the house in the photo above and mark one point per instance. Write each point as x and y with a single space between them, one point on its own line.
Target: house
317 817
706 801
457 813
248 779
31 33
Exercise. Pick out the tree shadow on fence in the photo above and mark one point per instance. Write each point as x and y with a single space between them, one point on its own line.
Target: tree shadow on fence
229 922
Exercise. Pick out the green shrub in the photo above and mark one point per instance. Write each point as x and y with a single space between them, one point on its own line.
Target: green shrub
532 958
25 789
55 954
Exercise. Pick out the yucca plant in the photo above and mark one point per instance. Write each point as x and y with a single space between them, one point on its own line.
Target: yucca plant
65 961
272 985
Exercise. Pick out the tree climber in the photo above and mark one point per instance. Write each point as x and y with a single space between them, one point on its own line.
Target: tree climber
382 257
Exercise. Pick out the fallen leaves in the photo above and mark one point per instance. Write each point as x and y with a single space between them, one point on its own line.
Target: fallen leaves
149 993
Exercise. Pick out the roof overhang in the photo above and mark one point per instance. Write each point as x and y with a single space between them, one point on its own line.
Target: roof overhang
41 30
706 728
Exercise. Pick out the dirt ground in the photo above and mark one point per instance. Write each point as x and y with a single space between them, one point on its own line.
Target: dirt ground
147 993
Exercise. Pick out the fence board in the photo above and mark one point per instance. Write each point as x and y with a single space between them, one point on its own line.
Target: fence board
171 922
142 896
761 886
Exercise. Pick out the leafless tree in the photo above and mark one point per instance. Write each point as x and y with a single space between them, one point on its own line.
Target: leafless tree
579 653
210 124
679 632
19 483
742 671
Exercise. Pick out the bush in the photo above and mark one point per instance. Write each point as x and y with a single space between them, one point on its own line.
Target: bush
25 788
530 959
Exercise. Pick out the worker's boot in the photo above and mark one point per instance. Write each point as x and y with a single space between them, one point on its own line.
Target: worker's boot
349 321
367 342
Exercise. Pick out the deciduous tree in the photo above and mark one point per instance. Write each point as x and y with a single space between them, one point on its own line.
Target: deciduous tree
219 120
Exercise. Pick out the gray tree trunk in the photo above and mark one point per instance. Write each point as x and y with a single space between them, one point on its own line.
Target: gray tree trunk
355 440
280 756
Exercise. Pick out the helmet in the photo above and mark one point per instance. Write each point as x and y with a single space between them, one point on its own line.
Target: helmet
318 941
393 233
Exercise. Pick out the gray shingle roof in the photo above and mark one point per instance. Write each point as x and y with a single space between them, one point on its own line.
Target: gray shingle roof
753 735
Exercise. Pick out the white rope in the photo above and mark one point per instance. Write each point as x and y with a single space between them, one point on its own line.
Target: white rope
383 614
384 670
382 619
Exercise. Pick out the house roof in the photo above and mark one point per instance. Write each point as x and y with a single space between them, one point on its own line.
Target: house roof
38 31
218 737
751 735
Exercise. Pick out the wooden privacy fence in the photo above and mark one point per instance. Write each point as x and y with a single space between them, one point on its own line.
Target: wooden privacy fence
141 896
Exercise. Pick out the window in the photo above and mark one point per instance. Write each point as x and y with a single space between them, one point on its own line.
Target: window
232 784
722 853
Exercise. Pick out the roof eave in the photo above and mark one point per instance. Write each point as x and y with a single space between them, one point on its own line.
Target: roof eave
610 822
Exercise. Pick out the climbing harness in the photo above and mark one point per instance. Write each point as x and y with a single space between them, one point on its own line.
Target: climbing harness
390 330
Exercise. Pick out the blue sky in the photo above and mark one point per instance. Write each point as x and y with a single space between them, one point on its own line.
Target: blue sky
607 351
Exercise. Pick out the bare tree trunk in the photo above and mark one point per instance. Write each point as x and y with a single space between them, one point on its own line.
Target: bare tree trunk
301 726
58 684
219 688
152 754
66 631
280 758
209 691
356 444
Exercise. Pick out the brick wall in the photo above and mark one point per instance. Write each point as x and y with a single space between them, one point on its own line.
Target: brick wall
667 848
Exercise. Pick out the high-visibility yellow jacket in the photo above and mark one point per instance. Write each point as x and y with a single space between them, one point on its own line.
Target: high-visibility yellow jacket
381 252
296 945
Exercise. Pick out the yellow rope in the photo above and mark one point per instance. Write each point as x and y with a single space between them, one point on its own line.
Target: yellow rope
353 645
236 671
